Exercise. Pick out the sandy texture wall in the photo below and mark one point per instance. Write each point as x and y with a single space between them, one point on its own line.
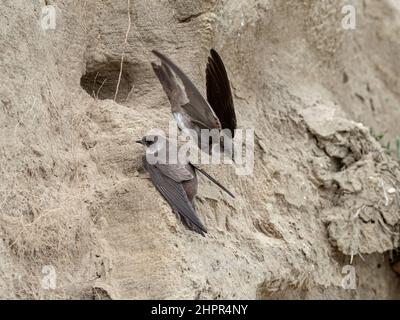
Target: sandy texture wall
324 192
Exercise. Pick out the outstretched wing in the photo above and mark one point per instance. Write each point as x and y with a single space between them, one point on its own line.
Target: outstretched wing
196 105
174 91
174 193
219 93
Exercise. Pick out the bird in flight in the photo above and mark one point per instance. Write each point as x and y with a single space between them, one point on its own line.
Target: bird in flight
176 182
191 110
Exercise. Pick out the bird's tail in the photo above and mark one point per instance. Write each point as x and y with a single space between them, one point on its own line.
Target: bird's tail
213 180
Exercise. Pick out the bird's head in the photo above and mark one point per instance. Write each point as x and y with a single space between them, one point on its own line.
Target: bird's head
149 140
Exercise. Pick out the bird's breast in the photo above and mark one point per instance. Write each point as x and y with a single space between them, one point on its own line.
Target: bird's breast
190 188
182 120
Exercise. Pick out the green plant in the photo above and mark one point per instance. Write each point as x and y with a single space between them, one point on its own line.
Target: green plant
398 148
387 146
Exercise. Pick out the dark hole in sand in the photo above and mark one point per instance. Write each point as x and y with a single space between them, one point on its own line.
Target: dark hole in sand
101 81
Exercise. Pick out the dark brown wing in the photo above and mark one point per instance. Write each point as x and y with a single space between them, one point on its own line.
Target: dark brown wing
196 105
174 193
175 93
219 93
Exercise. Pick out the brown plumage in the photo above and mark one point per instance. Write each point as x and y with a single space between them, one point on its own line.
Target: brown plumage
190 109
177 183
219 93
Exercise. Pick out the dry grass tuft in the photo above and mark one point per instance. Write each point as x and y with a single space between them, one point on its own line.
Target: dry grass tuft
53 237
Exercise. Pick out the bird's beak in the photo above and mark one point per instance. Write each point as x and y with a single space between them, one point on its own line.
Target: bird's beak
139 141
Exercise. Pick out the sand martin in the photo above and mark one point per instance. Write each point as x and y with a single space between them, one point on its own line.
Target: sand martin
177 182
191 110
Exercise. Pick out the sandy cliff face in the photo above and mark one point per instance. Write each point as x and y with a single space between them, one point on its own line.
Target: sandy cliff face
323 193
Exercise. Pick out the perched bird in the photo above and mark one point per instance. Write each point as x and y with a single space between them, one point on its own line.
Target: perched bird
177 182
191 110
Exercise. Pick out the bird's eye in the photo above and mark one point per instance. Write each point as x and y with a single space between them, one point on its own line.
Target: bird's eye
150 141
